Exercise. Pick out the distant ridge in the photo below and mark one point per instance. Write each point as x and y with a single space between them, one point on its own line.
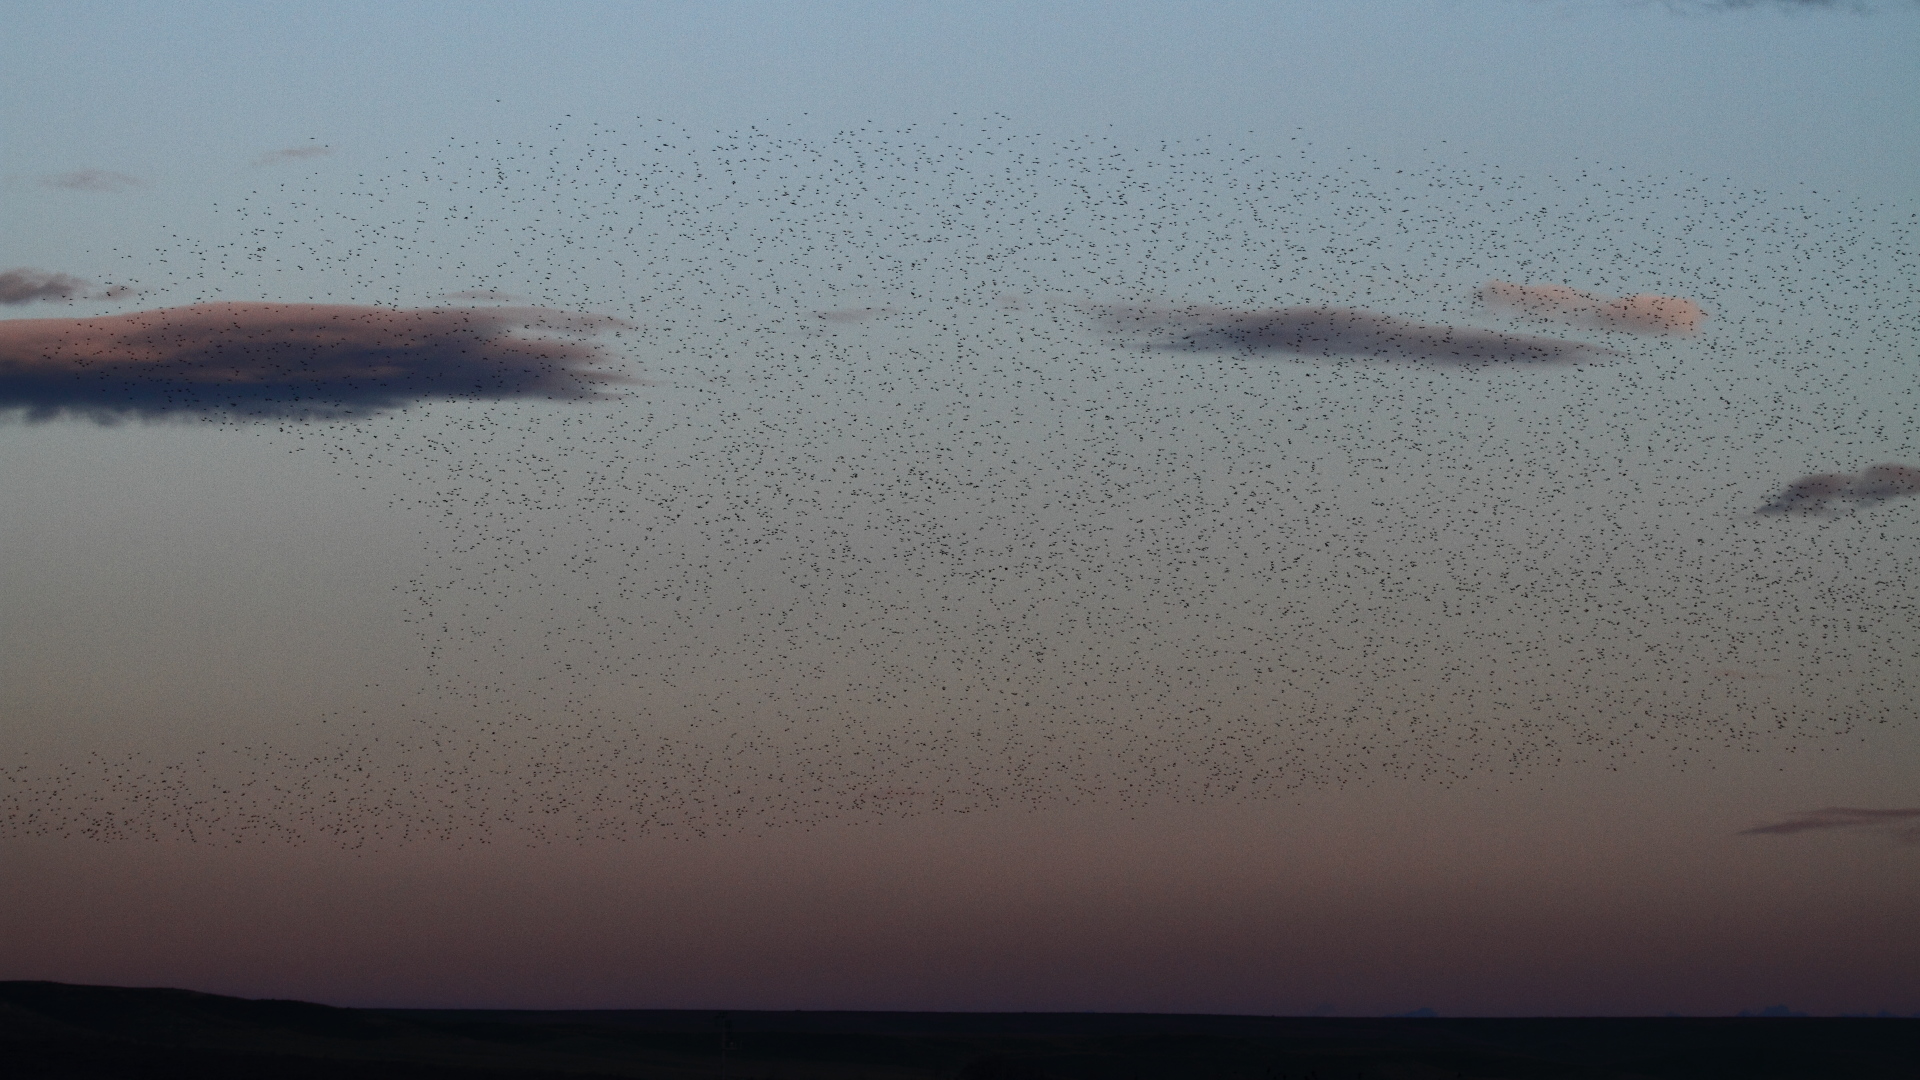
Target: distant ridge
52 1030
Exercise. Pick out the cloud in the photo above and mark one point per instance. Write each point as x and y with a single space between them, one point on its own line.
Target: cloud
1331 331
261 360
854 315
1729 5
25 285
93 180
1868 487
1847 817
1643 313
1856 6
292 153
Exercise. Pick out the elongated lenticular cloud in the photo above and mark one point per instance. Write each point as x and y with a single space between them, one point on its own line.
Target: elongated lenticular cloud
1846 817
1642 313
1869 487
261 360
853 315
292 153
93 180
1338 332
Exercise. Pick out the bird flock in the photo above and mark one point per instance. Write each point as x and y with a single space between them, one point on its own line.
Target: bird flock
957 469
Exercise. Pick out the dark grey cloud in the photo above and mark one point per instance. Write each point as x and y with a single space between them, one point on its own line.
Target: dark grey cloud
260 360
292 153
1819 494
93 180
24 285
1847 817
1337 332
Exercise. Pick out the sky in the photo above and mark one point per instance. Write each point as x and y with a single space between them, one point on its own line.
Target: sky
1287 508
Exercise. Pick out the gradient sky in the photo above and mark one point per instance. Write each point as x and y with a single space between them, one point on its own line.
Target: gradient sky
964 506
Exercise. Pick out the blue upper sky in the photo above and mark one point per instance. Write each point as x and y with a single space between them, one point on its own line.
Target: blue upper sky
181 98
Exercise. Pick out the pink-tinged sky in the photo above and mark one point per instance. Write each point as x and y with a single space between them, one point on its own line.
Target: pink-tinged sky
1364 904
1303 508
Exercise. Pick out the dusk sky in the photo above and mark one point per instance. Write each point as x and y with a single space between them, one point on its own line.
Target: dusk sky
1277 508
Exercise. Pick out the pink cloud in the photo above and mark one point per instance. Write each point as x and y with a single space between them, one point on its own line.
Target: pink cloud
1643 313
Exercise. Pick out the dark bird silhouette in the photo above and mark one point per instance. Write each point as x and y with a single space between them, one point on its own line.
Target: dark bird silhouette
889 521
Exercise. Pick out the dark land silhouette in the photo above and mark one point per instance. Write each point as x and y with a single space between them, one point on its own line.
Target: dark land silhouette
60 1030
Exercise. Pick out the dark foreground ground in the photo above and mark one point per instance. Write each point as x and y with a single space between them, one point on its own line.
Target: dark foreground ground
56 1030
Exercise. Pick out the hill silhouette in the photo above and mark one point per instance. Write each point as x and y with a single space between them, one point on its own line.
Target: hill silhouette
60 1030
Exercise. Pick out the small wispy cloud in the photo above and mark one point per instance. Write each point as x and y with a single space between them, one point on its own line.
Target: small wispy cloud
1819 494
25 285
853 315
1891 821
1857 6
292 153
1729 5
93 180
1643 313
261 360
1335 332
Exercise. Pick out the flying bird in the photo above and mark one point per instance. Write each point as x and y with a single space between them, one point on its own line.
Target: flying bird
881 525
